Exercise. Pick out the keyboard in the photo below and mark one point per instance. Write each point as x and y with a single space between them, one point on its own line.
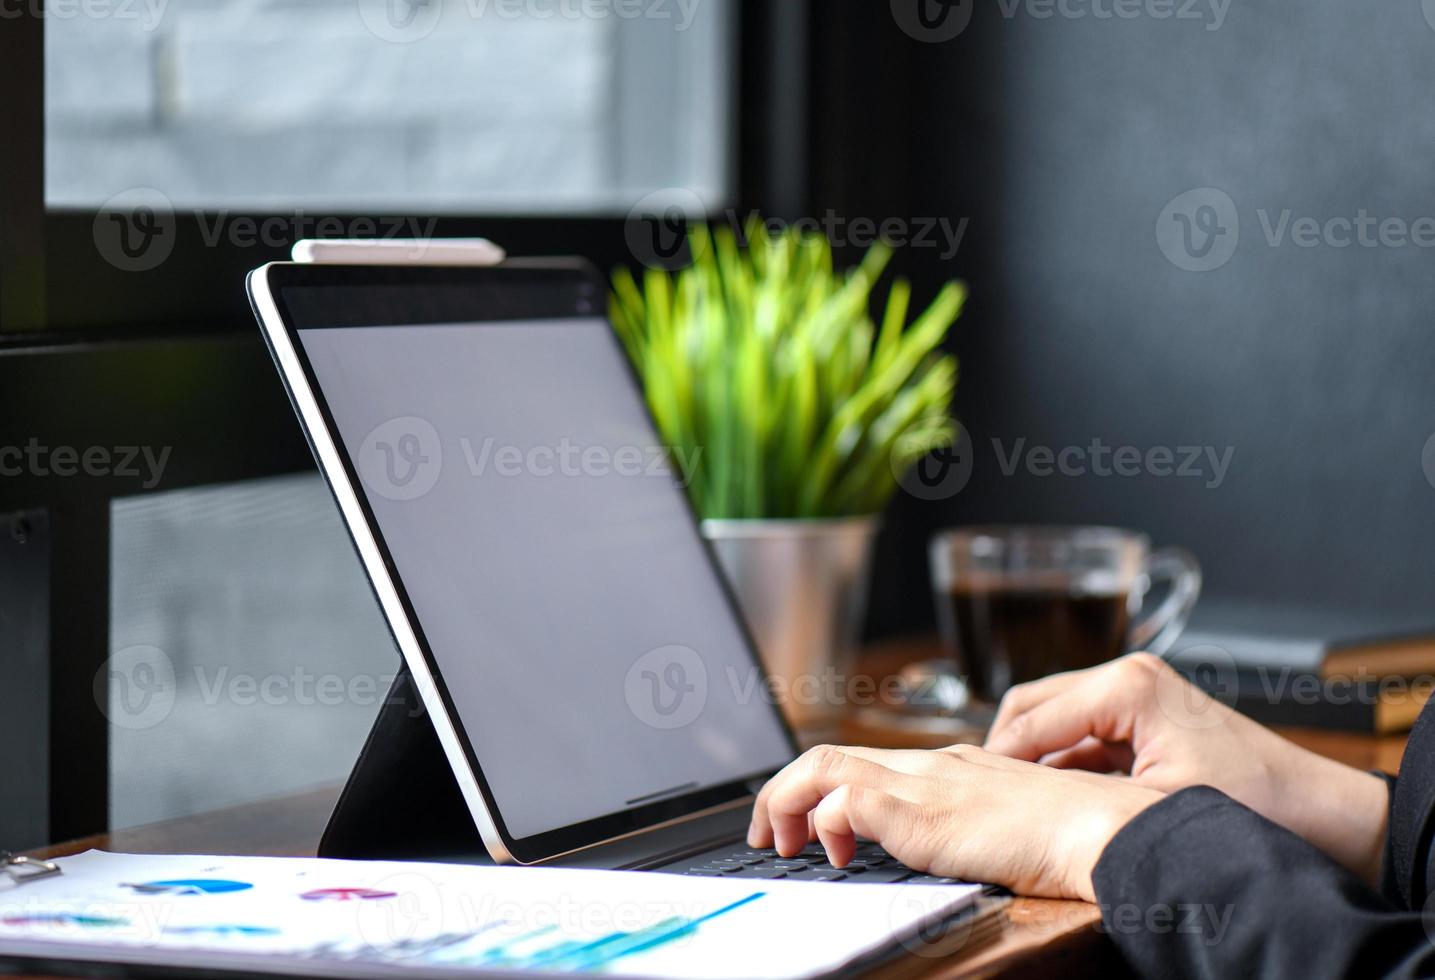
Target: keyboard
870 865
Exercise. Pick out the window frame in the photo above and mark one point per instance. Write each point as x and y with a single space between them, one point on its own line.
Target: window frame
22 175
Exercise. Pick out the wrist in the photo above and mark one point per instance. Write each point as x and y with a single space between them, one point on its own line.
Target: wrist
1341 810
1115 807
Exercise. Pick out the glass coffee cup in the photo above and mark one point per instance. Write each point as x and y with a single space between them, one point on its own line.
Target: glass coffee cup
1015 604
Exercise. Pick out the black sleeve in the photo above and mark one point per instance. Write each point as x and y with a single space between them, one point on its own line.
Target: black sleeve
1201 886
1390 862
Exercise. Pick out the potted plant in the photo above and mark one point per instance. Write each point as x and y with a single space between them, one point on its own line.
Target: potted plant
761 361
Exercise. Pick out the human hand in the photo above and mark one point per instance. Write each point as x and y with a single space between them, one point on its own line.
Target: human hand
1137 715
959 812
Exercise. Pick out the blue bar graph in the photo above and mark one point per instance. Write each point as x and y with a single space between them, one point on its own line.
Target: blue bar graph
590 955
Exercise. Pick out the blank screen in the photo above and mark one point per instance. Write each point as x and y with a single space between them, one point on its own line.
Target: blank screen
540 530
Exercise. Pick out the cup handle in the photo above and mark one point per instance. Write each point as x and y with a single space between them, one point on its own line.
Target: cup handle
1159 629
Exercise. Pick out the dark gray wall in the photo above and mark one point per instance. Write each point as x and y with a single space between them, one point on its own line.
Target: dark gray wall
1063 140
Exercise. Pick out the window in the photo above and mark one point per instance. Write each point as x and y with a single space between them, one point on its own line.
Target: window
412 106
539 123
248 656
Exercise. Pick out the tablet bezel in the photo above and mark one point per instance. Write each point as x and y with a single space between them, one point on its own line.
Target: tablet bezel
572 278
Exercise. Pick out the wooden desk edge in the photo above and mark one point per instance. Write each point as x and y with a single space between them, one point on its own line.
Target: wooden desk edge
1037 937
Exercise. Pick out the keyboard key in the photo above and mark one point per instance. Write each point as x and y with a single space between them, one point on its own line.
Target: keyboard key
932 880
870 865
868 861
875 876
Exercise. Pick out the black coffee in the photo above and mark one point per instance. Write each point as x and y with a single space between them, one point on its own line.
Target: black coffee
1009 636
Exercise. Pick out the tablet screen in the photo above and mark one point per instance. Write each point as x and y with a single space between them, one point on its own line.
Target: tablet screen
538 525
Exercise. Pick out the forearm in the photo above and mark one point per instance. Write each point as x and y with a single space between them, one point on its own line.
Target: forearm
1344 812
1341 810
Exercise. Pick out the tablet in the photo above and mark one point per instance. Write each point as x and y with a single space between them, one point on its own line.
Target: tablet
530 542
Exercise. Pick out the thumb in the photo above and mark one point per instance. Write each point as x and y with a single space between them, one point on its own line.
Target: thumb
1104 706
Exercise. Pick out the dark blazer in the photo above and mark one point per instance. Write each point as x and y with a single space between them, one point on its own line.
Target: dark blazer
1201 886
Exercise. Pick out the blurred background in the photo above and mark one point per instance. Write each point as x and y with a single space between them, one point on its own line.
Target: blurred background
1195 226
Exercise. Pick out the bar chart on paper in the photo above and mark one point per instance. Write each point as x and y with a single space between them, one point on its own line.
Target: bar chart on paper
548 948
360 918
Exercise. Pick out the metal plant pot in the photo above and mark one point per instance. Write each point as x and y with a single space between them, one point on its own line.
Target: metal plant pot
802 585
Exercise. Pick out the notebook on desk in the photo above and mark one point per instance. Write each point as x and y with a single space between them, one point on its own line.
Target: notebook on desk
1311 667
323 918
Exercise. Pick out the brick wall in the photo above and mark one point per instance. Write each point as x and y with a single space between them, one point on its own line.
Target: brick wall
487 105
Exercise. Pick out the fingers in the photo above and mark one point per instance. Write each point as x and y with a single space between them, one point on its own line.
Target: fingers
808 799
1057 724
781 812
1024 697
850 812
834 827
959 811
1102 703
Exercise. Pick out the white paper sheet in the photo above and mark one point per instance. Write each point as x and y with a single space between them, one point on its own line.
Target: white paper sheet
369 917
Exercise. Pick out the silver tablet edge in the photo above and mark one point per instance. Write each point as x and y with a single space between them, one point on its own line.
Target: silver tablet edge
363 535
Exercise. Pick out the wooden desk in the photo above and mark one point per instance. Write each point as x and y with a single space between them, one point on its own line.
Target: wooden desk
1035 936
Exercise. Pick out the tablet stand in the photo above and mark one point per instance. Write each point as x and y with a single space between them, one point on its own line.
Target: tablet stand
401 801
